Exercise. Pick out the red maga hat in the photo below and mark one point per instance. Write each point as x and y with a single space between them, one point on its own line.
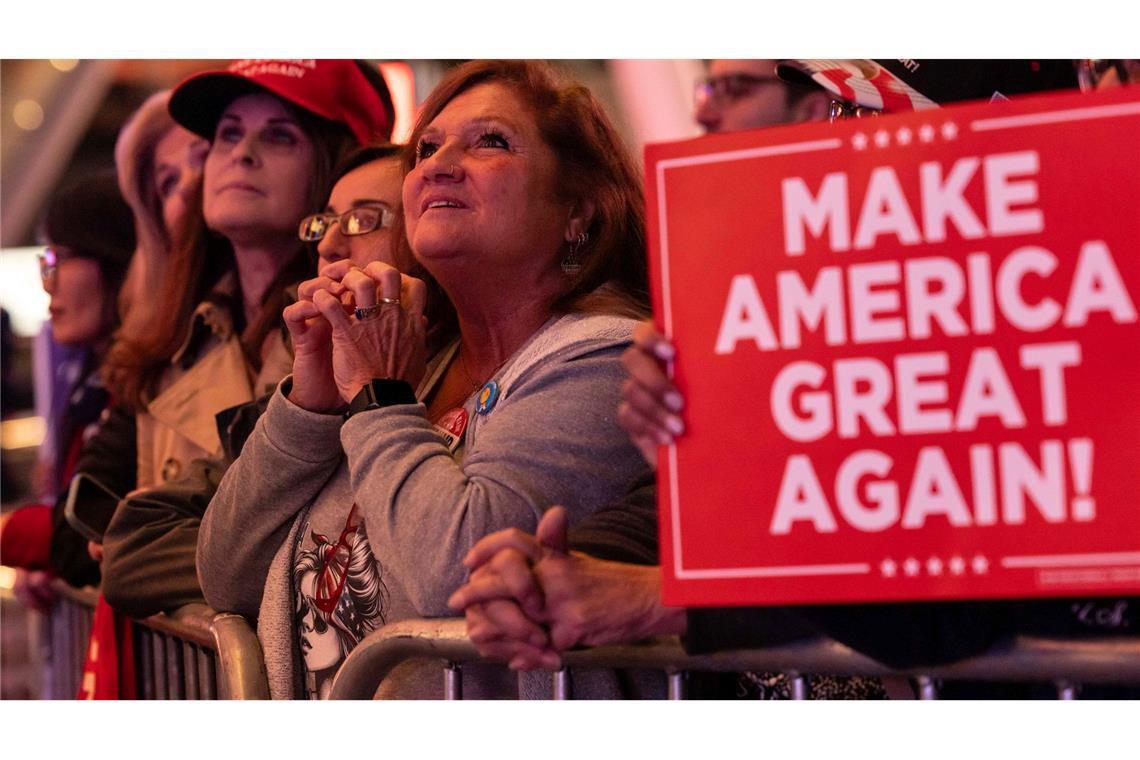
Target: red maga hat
337 90
908 84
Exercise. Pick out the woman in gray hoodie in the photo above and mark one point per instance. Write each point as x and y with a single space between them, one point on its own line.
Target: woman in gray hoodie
521 201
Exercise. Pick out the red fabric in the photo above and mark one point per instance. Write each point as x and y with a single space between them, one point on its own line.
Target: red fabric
334 89
892 91
26 540
839 78
109 670
72 460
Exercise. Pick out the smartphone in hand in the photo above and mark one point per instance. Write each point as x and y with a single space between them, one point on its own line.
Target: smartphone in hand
89 506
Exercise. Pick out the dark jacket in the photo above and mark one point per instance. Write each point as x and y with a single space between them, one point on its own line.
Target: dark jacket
109 456
150 545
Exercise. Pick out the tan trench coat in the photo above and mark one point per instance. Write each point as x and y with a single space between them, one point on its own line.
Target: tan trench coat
178 425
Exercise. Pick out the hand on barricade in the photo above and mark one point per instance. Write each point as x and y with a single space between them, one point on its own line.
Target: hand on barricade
502 601
382 335
592 602
523 584
651 405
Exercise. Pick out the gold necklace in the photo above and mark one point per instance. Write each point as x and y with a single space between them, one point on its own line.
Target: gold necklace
466 373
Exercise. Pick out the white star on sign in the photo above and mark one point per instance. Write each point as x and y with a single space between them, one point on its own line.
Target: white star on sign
904 135
888 568
957 565
859 141
980 565
912 566
882 138
926 133
949 130
934 566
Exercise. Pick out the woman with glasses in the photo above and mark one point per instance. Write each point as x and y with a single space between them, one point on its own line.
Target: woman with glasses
276 130
521 201
159 167
90 242
355 229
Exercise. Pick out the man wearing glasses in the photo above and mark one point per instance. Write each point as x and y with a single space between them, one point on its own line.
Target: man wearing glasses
746 94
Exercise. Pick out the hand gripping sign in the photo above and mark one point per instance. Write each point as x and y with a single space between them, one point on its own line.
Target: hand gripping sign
910 354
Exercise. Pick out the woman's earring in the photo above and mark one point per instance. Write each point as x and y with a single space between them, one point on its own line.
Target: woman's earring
570 264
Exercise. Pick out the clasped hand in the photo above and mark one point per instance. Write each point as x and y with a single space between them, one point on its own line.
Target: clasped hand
528 599
335 353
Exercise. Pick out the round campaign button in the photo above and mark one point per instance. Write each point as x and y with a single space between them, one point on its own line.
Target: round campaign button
488 395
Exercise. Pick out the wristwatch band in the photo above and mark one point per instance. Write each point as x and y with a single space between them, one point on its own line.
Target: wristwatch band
379 393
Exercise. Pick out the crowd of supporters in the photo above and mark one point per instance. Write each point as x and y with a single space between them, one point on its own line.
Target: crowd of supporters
330 383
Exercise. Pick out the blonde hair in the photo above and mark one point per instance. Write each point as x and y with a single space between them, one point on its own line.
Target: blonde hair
134 163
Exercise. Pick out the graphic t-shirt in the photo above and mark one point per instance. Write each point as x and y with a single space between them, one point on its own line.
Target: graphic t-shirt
340 595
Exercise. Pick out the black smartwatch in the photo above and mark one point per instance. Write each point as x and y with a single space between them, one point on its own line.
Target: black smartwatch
380 393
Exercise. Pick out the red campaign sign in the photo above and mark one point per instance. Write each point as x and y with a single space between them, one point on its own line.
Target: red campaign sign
909 351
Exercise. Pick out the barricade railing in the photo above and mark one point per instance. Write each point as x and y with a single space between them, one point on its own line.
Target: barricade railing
1066 663
196 653
67 631
242 661
192 653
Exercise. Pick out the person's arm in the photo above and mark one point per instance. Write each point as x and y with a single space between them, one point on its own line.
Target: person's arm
553 438
149 546
522 583
625 531
282 467
110 457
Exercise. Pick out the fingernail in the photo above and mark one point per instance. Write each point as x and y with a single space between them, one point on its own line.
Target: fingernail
664 351
664 438
674 401
674 424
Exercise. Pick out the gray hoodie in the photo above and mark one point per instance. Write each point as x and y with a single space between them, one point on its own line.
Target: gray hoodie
551 438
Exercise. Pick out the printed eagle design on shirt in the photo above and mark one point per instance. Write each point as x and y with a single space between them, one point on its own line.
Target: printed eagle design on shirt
340 596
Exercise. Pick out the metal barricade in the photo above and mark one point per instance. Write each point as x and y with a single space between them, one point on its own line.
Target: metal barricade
196 653
243 664
192 653
1066 663
67 631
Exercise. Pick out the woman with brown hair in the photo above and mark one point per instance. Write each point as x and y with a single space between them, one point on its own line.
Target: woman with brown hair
276 130
274 137
159 168
522 203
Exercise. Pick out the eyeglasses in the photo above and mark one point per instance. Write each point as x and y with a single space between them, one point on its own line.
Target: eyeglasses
358 221
729 87
841 109
49 263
